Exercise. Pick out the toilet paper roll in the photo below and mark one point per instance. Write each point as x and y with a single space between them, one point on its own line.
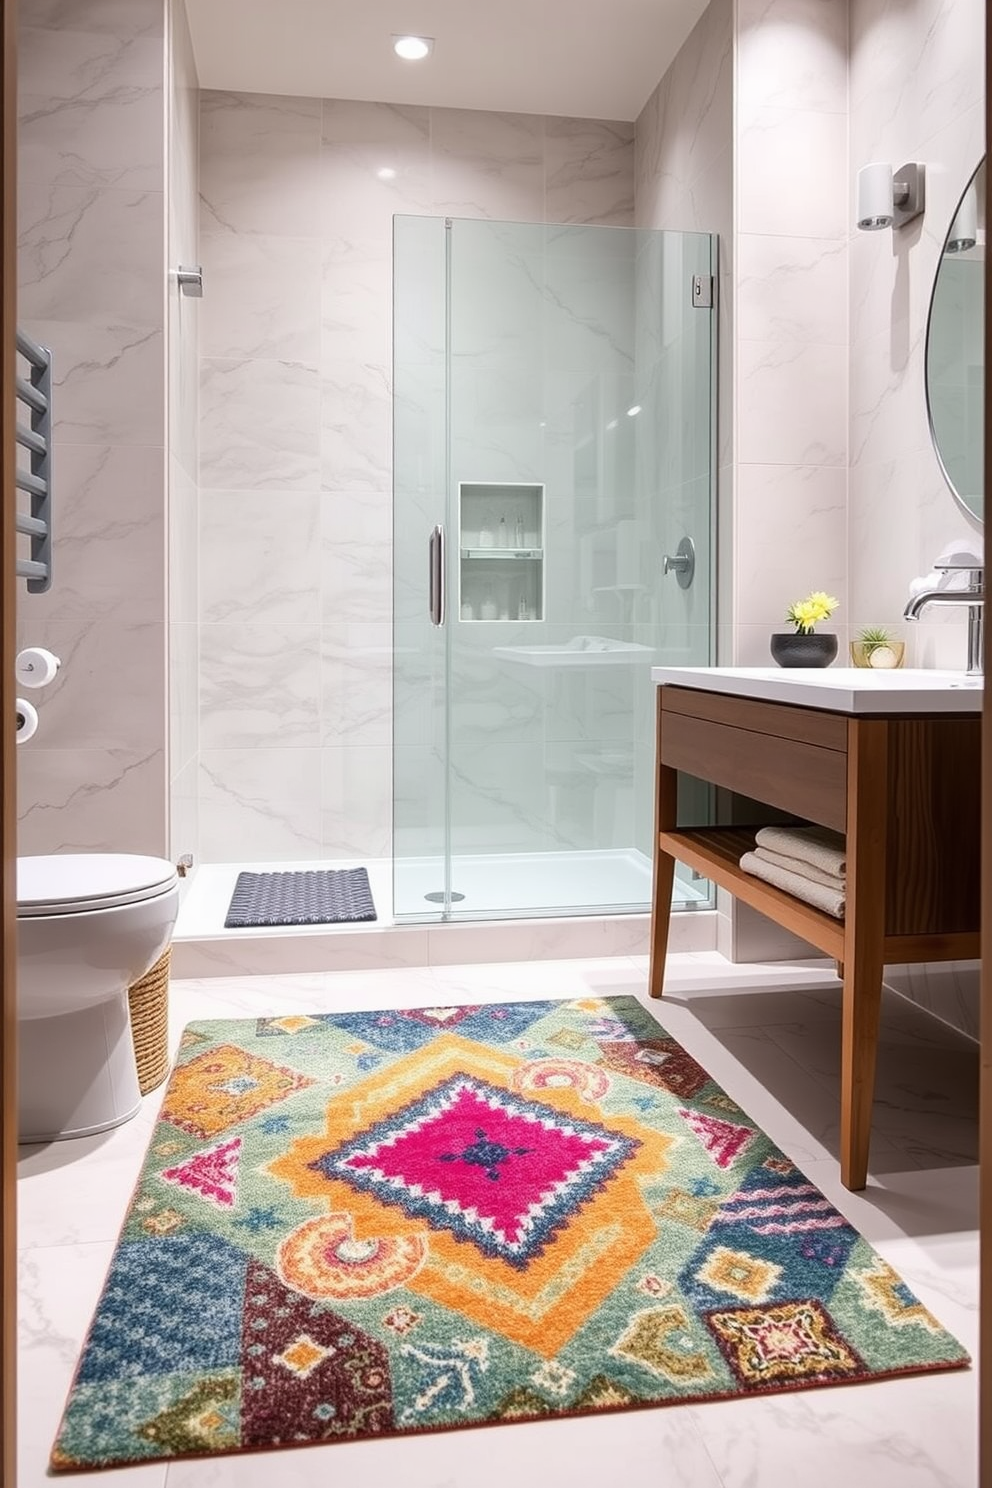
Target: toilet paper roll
36 667
27 720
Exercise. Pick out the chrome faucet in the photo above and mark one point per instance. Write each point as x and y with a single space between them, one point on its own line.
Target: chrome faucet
972 598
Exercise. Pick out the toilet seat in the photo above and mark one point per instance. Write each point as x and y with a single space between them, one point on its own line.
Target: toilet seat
80 883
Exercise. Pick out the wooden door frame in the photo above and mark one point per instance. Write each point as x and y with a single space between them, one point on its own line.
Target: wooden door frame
8 808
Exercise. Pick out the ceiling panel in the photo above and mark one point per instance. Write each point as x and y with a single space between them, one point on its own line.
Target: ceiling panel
596 59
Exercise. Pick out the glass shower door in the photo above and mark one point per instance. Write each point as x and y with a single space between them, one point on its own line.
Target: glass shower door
421 855
563 423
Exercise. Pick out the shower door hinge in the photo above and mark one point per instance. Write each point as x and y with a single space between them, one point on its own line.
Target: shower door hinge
702 291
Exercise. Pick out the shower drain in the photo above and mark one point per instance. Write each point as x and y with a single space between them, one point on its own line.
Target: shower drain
438 897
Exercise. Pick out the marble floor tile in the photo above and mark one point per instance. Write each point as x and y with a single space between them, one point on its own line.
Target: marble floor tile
770 1036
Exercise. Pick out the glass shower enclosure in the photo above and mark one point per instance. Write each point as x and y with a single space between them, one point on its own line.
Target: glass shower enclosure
554 423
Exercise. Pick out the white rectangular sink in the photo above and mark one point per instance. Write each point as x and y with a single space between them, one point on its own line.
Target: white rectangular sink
580 651
838 689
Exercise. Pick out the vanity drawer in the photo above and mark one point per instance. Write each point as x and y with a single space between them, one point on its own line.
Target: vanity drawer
782 721
795 774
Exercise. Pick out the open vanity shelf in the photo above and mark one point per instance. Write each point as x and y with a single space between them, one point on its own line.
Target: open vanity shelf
903 789
500 552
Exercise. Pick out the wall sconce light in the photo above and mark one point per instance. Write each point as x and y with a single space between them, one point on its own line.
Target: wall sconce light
964 229
888 198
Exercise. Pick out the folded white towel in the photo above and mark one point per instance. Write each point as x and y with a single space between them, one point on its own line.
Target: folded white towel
816 846
834 881
831 901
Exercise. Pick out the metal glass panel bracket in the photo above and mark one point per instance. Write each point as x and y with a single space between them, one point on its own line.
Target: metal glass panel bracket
34 475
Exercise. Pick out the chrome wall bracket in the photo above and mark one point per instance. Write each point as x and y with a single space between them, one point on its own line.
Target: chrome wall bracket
682 563
190 281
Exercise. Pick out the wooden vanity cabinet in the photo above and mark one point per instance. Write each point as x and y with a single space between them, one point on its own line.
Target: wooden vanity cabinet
905 792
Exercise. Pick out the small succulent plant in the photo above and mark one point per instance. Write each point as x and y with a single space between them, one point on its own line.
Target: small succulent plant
879 648
874 636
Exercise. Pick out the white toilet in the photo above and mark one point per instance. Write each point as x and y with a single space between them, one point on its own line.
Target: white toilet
88 926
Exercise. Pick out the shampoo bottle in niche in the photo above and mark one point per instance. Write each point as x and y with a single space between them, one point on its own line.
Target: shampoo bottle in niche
488 610
519 535
502 534
487 536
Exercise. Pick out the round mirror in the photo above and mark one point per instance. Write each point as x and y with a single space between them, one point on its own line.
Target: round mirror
955 363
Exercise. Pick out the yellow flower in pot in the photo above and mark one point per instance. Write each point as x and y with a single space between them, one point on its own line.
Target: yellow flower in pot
803 647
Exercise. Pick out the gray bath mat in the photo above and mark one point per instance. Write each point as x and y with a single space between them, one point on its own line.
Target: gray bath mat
322 896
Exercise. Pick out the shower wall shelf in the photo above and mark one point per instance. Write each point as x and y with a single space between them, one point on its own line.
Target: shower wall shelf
34 439
500 551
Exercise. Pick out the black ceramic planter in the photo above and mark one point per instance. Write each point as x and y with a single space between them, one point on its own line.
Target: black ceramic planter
794 649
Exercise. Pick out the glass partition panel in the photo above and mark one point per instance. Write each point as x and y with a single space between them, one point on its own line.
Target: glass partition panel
578 441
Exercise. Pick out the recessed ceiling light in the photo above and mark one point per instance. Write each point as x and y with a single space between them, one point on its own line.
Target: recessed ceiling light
413 48
386 173
634 410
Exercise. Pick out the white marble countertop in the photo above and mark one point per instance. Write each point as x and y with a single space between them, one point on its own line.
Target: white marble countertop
837 689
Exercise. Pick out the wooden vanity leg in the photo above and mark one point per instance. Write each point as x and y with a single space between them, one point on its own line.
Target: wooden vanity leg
864 932
663 875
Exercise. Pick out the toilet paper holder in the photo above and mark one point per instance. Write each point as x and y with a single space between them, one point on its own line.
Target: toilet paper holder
36 667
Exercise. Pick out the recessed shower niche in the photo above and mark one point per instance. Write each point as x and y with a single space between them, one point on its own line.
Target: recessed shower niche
500 552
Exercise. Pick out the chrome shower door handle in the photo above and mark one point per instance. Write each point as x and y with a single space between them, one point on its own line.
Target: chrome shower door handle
437 601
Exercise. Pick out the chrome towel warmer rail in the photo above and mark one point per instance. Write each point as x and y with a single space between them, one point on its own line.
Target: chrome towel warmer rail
34 394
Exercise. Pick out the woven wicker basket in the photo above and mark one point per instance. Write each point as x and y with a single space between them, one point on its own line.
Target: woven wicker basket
148 1001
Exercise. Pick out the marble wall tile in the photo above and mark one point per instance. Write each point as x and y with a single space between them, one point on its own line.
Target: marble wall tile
356 561
125 19
259 682
260 556
109 536
913 70
888 401
357 684
90 106
258 804
263 297
355 426
778 191
791 539
259 425
589 171
110 690
357 810
259 163
885 547
792 54
791 403
91 270
91 800
701 99
487 165
791 289
357 302
375 162
108 380
86 253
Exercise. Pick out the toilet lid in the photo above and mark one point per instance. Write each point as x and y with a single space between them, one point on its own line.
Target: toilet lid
67 883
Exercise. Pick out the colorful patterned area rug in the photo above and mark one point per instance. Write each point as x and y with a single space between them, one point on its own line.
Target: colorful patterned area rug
365 1224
